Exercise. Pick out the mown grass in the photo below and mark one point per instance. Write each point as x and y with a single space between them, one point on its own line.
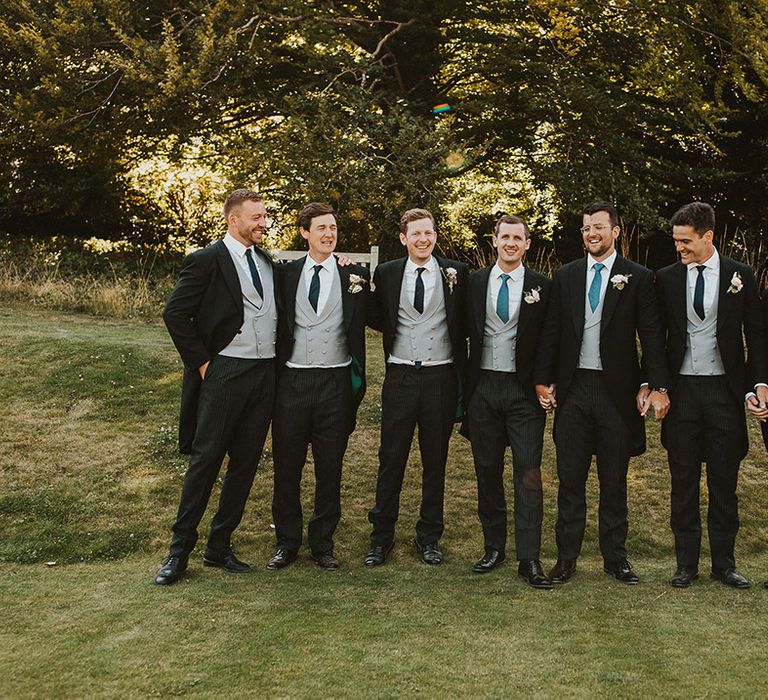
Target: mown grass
89 478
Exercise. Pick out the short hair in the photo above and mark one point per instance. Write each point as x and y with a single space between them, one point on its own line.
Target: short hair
311 211
699 215
510 219
414 215
595 207
237 197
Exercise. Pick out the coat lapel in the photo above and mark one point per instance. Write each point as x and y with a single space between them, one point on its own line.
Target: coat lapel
393 291
229 272
479 297
578 287
447 291
612 293
346 296
292 277
679 297
526 310
724 300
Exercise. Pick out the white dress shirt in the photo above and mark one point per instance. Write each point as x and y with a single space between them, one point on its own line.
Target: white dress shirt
430 277
515 285
605 275
237 252
711 280
328 269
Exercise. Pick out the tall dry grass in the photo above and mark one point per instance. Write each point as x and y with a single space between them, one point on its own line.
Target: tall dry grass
48 279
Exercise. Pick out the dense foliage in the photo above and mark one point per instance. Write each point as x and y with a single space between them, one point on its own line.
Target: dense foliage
130 120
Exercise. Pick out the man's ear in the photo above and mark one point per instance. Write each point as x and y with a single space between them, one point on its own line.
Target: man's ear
304 233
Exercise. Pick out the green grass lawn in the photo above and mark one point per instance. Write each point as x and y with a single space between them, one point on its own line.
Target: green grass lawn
89 478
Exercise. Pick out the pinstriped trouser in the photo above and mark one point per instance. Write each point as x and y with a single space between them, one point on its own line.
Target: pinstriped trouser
500 414
588 423
233 414
314 406
704 424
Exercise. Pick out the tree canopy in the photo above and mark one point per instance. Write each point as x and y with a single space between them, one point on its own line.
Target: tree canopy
132 119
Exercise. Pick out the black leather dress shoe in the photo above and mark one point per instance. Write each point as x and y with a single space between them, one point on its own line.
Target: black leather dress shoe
227 561
282 558
172 570
376 556
765 584
430 554
532 572
491 559
325 560
730 577
563 570
684 577
622 571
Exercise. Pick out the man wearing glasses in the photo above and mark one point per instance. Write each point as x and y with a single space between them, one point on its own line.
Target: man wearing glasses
588 369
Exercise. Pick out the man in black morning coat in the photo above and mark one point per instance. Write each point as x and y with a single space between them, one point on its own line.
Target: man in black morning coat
588 369
418 304
321 381
222 317
506 306
710 304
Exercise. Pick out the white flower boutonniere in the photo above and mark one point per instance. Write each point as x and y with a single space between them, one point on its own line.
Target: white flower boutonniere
620 281
736 284
356 284
532 295
451 276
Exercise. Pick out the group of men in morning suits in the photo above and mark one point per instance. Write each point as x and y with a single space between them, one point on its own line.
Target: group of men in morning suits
286 343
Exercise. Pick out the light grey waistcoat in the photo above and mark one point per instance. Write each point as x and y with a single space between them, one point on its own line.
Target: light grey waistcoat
256 338
422 337
499 339
319 341
702 356
589 355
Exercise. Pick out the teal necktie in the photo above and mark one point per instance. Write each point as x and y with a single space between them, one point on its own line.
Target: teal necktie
502 301
594 288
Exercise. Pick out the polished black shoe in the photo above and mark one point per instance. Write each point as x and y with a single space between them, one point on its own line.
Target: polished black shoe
730 577
376 556
325 560
532 572
765 584
282 558
172 570
563 570
227 561
622 571
430 554
684 577
491 559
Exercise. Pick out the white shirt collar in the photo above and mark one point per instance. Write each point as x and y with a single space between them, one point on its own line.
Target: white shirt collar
608 262
328 263
516 275
411 267
713 263
234 246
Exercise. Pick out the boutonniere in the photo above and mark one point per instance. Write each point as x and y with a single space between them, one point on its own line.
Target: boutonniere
532 295
620 281
451 276
356 283
736 284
